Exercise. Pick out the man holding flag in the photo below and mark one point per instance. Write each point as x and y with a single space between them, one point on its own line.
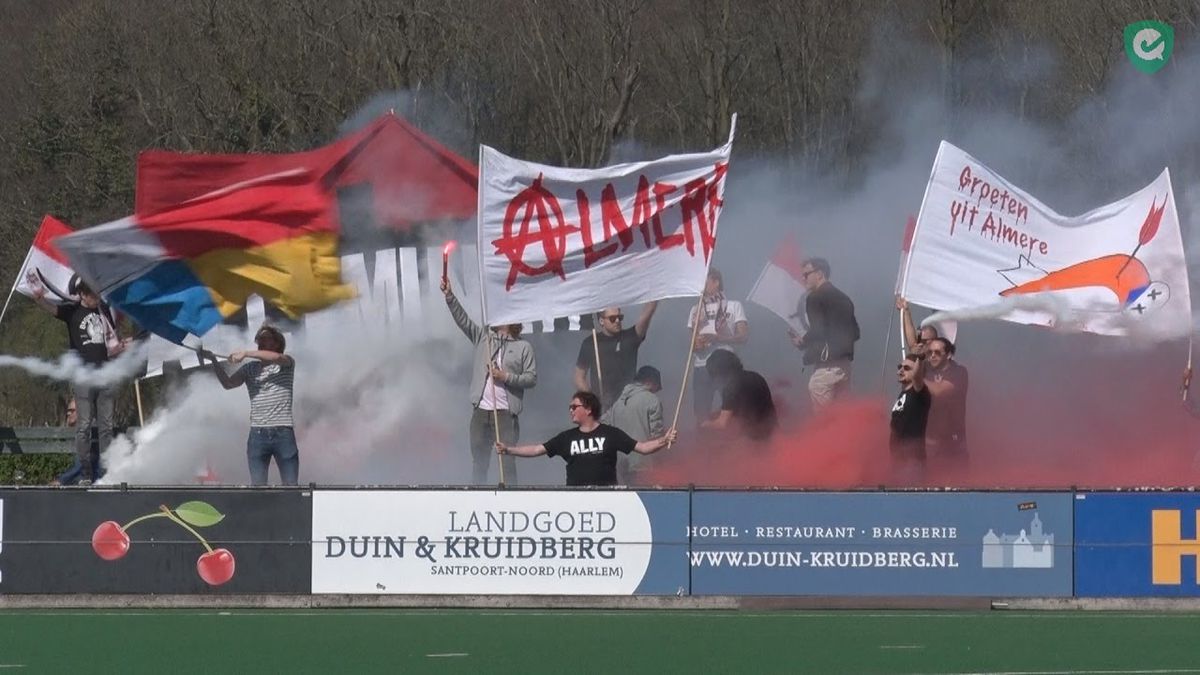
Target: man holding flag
269 377
591 448
181 271
92 334
503 368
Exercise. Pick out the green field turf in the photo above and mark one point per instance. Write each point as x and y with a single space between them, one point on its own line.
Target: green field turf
464 641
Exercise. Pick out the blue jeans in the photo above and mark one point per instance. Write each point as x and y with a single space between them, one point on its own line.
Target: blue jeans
74 474
278 442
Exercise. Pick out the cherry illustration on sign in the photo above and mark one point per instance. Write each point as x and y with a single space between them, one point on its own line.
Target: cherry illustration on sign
111 540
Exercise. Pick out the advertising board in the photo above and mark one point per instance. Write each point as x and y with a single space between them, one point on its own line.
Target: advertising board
154 541
802 543
502 542
1137 544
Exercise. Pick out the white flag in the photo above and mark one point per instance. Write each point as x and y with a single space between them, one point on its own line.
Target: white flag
555 241
780 288
984 245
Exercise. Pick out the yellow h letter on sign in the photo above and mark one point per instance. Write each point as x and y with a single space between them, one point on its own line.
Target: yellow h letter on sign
1168 547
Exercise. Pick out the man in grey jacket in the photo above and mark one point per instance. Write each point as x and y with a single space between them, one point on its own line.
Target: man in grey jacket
639 413
504 369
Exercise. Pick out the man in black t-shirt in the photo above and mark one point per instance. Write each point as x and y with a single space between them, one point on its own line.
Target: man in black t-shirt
745 398
910 413
616 349
590 450
93 336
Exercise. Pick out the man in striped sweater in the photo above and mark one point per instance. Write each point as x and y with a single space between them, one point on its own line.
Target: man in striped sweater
269 379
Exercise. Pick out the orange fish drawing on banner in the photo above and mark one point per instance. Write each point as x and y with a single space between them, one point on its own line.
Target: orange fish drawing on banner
1125 275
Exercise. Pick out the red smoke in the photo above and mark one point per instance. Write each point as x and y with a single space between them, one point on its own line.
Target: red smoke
1123 438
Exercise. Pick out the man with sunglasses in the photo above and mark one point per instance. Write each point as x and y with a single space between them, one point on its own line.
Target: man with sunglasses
947 381
590 449
828 345
910 413
616 349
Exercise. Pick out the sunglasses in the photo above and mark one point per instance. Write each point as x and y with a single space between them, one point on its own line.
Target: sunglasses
616 318
903 367
573 406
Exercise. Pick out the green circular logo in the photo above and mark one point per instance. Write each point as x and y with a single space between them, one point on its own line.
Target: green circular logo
1148 45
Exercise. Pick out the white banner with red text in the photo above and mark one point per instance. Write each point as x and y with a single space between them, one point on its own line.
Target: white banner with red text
982 243
556 241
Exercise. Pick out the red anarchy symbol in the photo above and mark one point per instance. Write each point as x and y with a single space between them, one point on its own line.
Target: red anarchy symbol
540 205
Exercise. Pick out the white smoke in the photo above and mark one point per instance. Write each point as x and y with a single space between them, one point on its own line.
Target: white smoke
374 404
71 368
1055 308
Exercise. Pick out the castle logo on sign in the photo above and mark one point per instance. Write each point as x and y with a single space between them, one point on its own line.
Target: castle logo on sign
1032 550
587 446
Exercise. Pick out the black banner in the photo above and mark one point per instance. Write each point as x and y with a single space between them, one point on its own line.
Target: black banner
155 541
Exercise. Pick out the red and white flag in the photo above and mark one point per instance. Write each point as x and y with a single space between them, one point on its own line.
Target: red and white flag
780 287
47 262
557 242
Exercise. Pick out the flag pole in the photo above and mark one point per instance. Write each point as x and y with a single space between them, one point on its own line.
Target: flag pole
596 350
137 393
1187 372
688 366
15 282
887 346
495 413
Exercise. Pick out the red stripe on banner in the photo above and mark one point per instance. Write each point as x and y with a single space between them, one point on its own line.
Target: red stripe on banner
255 213
789 258
910 228
50 228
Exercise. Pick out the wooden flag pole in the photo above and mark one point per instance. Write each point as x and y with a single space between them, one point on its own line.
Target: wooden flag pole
688 366
137 394
495 413
599 373
1187 372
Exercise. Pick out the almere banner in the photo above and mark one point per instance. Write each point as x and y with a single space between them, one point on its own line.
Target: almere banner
599 542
